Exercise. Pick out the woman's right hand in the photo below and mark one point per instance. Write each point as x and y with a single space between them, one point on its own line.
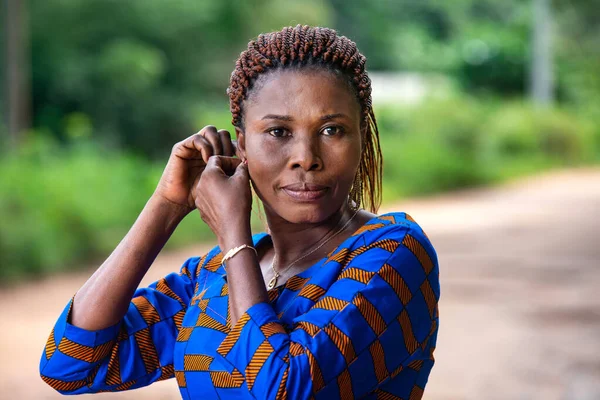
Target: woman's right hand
188 159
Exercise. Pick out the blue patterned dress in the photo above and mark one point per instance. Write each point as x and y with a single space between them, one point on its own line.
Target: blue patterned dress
360 323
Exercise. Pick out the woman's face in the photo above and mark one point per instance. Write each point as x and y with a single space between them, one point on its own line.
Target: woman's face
302 142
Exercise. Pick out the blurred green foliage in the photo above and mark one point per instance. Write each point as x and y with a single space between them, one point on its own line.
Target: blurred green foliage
140 70
63 206
466 141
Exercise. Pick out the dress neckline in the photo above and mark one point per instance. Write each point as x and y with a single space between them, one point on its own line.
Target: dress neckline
259 238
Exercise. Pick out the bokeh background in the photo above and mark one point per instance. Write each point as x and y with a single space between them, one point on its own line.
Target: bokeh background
489 122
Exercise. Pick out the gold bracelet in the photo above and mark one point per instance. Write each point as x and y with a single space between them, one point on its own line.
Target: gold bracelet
236 250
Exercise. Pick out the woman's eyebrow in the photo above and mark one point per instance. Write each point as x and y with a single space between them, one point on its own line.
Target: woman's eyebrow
327 117
279 117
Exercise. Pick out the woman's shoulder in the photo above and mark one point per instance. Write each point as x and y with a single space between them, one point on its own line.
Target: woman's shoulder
394 230
392 225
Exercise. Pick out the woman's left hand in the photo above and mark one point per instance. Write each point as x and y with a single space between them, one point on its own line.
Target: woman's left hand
226 199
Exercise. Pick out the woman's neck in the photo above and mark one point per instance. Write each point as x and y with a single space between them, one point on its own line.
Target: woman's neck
292 240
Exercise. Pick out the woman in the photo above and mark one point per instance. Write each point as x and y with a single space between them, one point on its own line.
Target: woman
335 302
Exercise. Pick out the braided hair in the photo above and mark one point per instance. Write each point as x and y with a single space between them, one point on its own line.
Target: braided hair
304 46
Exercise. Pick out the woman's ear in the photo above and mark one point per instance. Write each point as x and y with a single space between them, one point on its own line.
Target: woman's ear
241 143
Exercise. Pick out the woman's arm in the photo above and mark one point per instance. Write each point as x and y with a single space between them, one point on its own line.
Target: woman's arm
104 298
113 337
133 353
228 216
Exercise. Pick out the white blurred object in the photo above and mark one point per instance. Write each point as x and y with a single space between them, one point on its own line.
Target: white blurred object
542 74
407 87
584 384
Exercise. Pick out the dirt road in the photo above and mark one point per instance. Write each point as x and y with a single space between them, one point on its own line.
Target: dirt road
520 307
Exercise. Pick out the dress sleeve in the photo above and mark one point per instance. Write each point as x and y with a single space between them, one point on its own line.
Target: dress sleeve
130 354
377 323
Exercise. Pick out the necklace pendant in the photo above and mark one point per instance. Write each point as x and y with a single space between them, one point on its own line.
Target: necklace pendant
272 282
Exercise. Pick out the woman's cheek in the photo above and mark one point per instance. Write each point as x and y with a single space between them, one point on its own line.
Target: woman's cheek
261 145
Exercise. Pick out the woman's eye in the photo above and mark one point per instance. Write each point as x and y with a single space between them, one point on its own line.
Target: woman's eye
332 130
277 132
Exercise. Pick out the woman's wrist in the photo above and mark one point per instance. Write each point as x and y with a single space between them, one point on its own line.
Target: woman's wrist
235 235
172 213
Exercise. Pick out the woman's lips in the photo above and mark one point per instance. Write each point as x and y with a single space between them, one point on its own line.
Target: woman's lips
305 192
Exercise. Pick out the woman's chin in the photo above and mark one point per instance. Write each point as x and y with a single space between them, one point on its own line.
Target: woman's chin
307 213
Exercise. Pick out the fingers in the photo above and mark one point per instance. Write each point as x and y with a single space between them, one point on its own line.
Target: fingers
220 140
226 165
206 143
241 170
228 145
210 133
195 147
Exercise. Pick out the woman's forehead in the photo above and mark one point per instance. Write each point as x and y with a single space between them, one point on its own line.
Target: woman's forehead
301 93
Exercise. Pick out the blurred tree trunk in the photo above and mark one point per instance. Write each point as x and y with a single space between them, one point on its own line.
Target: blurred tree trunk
17 69
541 78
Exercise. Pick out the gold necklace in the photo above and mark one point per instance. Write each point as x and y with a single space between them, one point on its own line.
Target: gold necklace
273 282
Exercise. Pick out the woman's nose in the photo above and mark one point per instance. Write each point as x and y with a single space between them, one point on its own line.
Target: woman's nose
305 154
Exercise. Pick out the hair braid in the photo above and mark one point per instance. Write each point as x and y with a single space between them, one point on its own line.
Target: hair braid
320 47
